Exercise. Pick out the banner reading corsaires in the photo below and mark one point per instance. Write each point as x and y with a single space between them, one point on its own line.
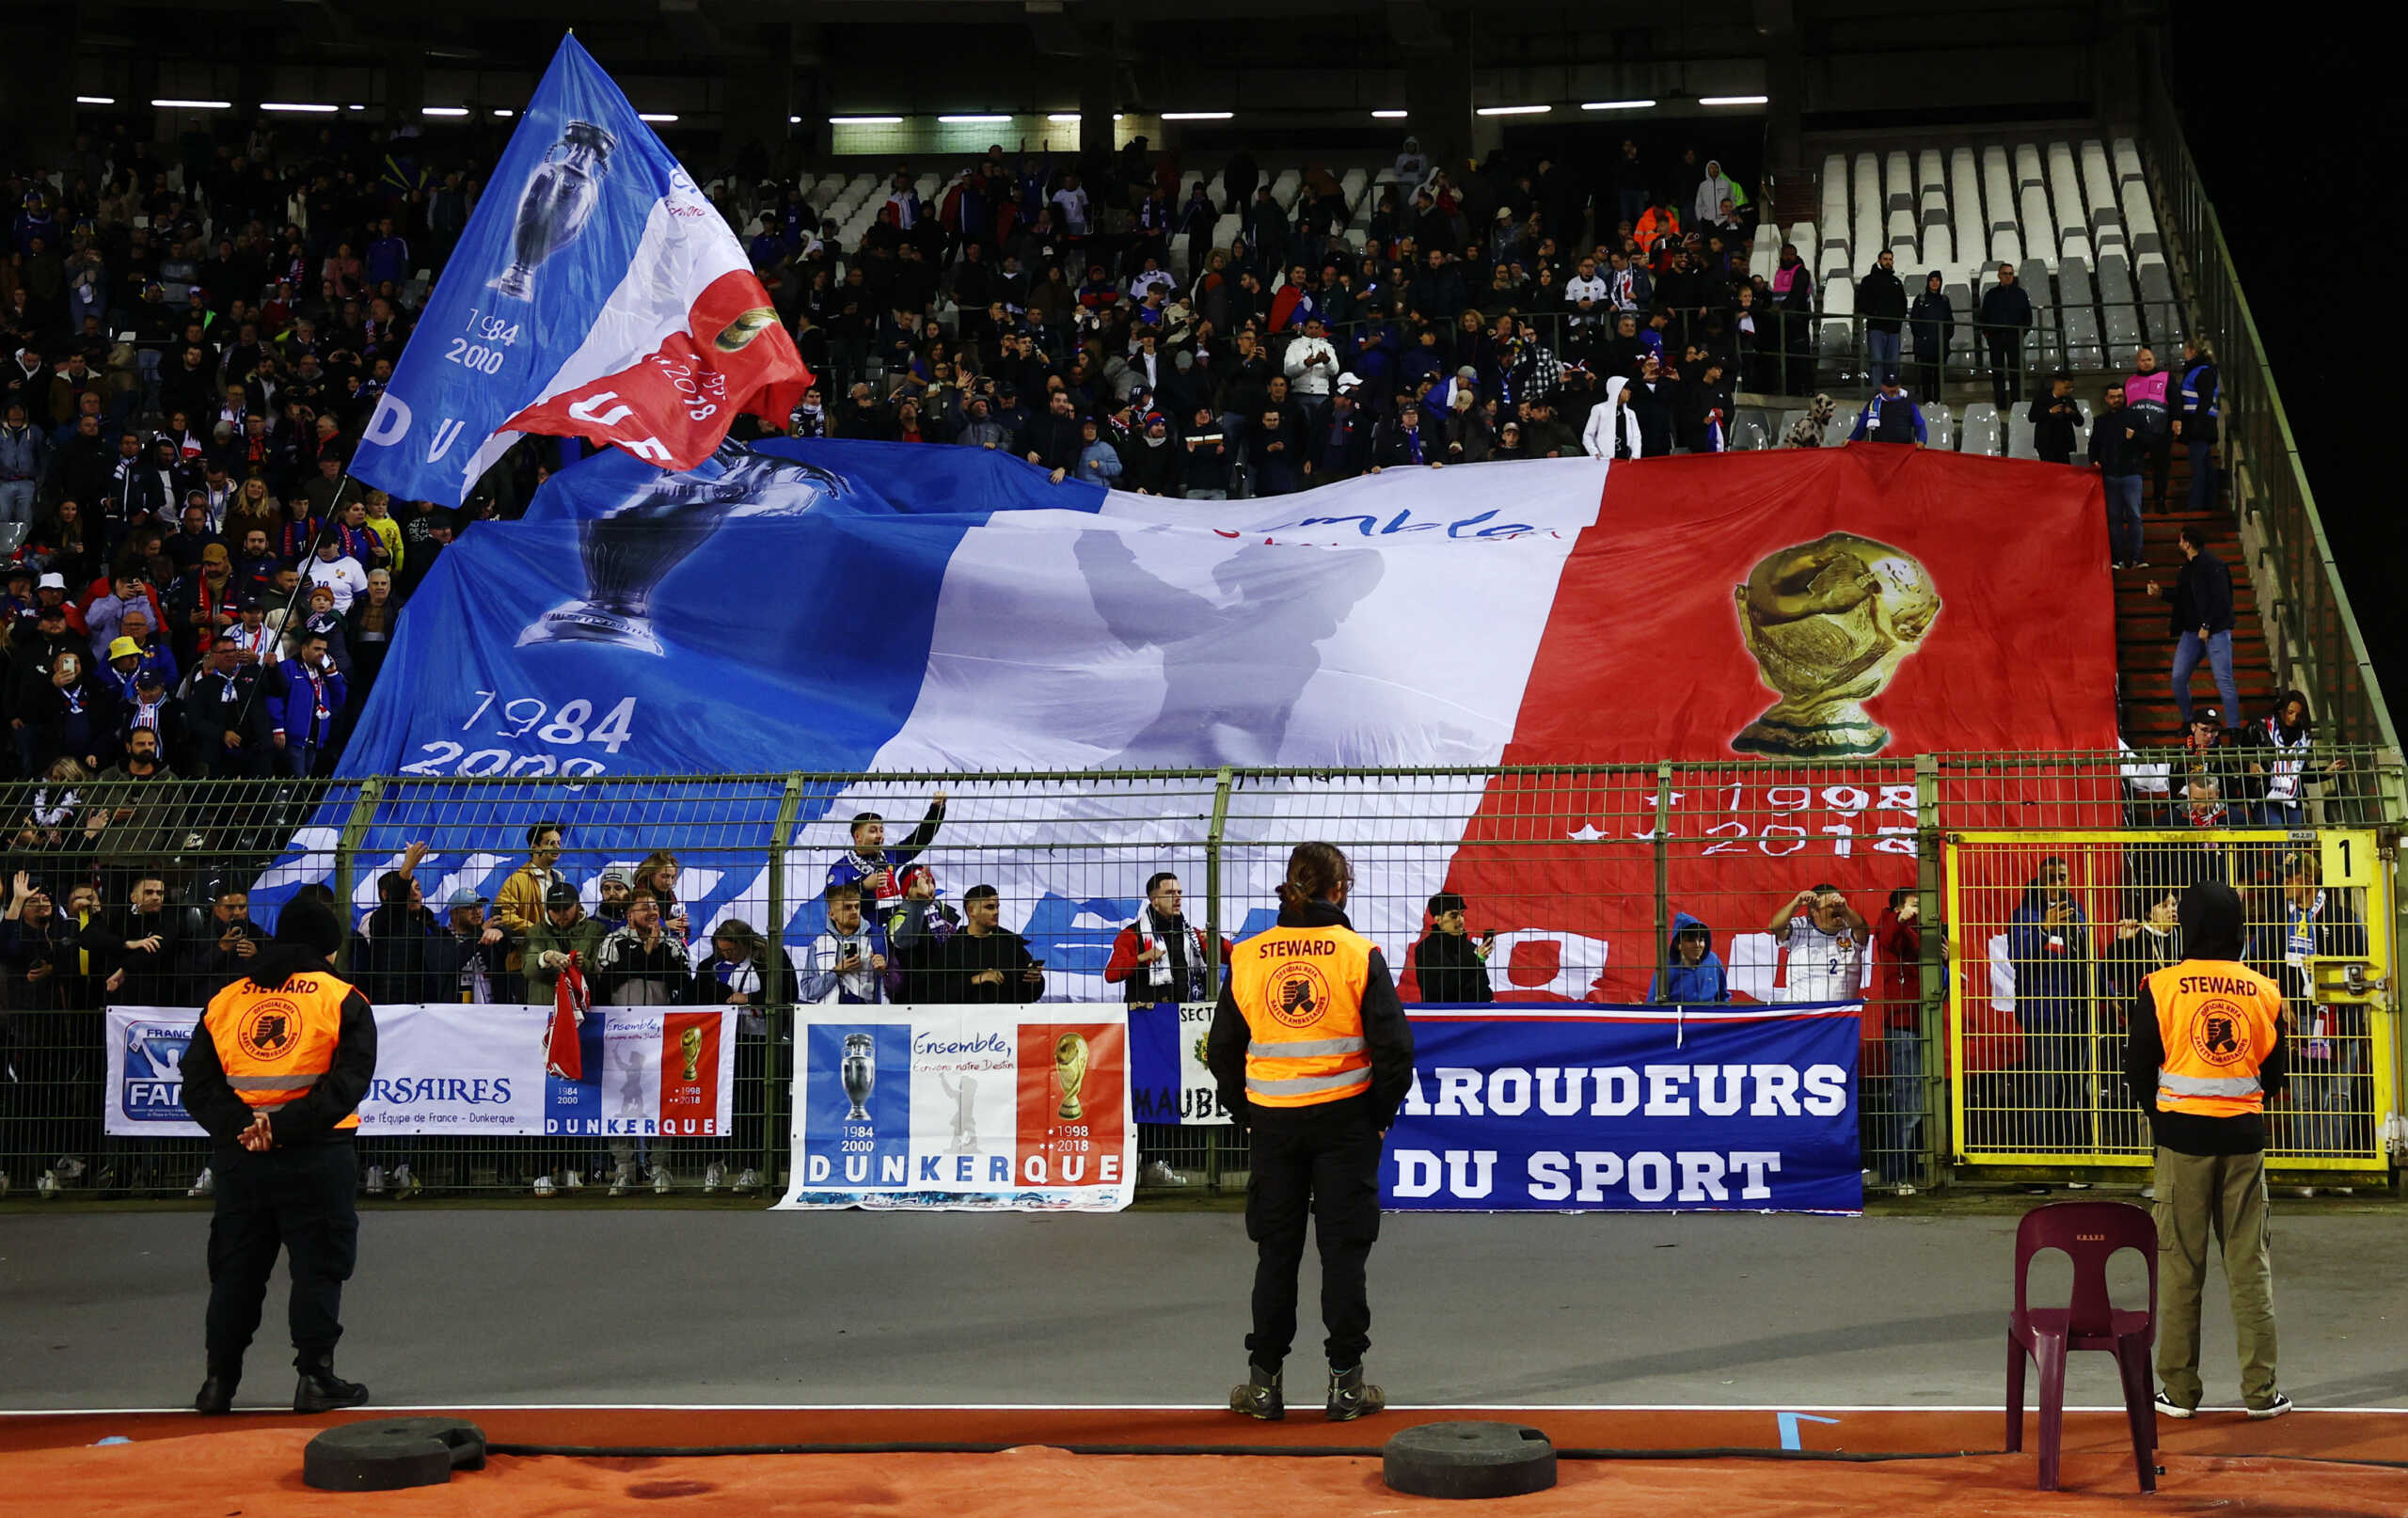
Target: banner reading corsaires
448 1068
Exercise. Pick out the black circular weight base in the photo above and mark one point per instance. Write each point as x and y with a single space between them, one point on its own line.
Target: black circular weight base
387 1454
1469 1460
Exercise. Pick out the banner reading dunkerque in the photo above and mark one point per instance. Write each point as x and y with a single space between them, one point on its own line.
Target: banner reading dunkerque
962 1108
446 1067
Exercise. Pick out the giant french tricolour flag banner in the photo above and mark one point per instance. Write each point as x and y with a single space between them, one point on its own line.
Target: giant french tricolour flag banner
848 607
595 293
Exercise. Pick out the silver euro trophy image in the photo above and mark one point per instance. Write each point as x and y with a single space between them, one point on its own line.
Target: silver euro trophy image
857 1073
556 204
629 550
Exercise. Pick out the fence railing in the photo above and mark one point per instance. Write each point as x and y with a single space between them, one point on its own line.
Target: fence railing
1576 877
2319 648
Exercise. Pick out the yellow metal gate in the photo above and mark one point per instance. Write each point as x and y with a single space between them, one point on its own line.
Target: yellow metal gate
2050 933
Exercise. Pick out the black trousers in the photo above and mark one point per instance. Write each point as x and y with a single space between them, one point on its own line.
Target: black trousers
2006 368
298 1199
1322 1163
2159 450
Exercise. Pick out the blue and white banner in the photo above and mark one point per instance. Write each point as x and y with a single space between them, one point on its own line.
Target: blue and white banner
1629 1109
1019 1109
450 1068
595 293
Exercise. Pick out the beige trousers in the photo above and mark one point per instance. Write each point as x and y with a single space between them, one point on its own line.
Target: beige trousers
2220 1196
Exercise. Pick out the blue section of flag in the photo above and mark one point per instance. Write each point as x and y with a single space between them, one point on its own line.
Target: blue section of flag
575 1107
1587 1113
1154 1082
839 1150
479 356
793 634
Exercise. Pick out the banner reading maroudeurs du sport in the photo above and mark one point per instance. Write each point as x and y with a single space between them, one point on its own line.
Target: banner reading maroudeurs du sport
1629 1109
972 1108
446 1067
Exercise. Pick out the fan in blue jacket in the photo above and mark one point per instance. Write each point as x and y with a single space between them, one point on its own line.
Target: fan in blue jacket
301 710
1691 973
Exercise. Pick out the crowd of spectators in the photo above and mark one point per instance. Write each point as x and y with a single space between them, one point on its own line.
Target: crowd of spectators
196 332
1031 309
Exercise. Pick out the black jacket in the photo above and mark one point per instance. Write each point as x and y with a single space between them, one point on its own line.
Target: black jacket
1385 1029
151 973
2115 445
2055 428
1934 320
1880 299
218 705
1448 968
2202 597
1054 439
964 955
1339 449
2003 308
309 1117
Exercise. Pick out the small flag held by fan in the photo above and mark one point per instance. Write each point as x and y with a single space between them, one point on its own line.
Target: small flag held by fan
562 1055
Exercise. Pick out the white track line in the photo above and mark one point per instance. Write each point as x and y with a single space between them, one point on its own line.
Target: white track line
1536 1409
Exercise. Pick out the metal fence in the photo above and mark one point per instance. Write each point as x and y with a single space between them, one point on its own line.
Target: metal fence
2317 644
139 895
2051 934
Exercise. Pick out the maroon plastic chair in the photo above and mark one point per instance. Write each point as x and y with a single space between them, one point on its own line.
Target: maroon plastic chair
2089 1233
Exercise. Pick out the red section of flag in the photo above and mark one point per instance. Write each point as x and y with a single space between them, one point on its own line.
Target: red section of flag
563 1055
1647 658
1086 1148
674 405
690 1056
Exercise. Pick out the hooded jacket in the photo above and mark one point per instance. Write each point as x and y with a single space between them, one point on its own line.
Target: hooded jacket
2211 928
1716 188
1688 985
1596 438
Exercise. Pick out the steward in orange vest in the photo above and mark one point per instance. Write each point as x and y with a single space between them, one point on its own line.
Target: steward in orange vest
275 1073
1311 1050
2204 1052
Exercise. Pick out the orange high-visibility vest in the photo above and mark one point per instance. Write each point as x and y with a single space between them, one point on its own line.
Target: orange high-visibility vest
274 1042
1301 990
2218 1021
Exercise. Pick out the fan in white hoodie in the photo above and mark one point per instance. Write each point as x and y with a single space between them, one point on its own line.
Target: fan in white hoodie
1597 438
1716 188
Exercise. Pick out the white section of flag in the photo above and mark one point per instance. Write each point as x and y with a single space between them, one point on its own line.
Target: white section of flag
686 246
1427 666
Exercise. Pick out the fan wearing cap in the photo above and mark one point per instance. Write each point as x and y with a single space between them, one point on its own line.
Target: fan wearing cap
274 1073
249 635
1151 460
149 706
50 590
565 928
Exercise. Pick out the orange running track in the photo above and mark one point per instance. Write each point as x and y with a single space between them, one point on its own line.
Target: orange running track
2221 1462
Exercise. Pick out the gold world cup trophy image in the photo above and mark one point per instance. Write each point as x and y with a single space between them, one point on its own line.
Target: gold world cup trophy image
1829 622
1070 1069
690 1045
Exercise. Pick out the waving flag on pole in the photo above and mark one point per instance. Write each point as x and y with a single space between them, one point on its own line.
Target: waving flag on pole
595 293
562 1055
